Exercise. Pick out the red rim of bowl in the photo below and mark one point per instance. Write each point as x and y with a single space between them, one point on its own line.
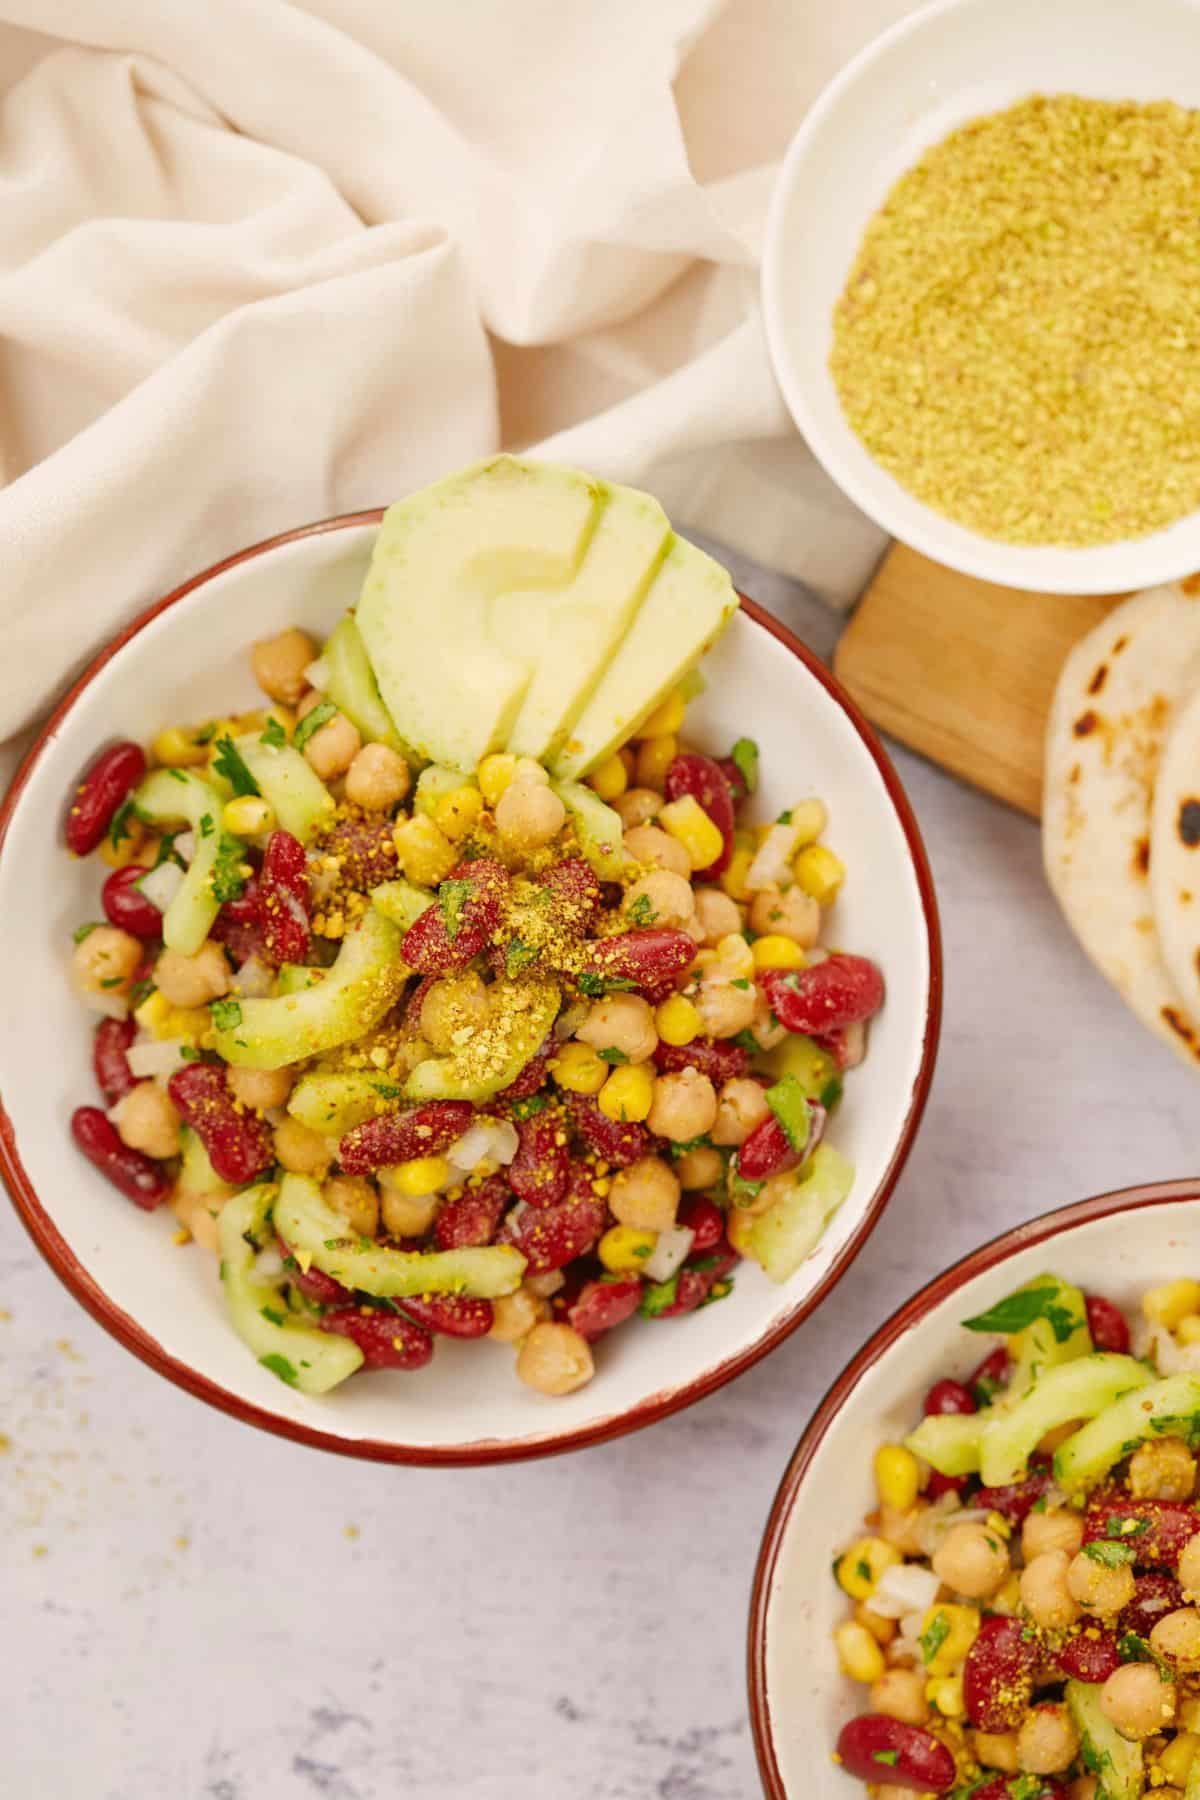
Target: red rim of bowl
128 1332
998 1250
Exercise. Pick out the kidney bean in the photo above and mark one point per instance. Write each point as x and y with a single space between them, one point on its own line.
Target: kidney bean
450 1315
948 1397
1107 1324
991 1374
238 1142
1004 1786
1016 1501
364 850
1154 1594
386 1340
105 785
239 925
575 895
876 1747
733 775
139 1177
648 959
400 1136
998 1674
114 1077
449 934
706 782
283 899
720 1059
1090 1656
550 1237
938 1484
847 1045
473 1219
705 1220
616 1141
128 909
603 1304
768 1150
541 1168
825 996
313 1282
1170 1524
532 1075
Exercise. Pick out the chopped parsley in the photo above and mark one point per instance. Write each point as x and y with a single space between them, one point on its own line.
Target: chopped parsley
788 1101
681 1147
744 757
226 1014
612 1055
746 1040
312 722
176 774
785 818
274 737
228 762
659 1296
593 985
1117 1527
120 826
269 1312
279 1365
113 981
831 1093
82 931
168 853
740 981
518 956
642 911
890 1757
452 898
932 1639
140 991
740 1190
228 882
1022 1309
206 825
1108 1554
527 1109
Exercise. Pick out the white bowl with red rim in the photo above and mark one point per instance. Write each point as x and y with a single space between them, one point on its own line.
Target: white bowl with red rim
1116 1245
185 659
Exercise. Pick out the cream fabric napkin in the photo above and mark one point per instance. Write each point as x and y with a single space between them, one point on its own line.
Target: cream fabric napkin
264 261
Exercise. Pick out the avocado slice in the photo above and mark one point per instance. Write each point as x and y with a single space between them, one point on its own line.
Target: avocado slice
353 688
949 1442
1074 1390
1167 1408
164 798
790 1230
598 827
334 1102
303 804
520 1014
688 606
1115 1762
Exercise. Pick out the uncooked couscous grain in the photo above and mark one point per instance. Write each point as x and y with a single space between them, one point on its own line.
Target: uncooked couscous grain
1018 342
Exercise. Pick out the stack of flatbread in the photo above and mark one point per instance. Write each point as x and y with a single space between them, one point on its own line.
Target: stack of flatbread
1121 810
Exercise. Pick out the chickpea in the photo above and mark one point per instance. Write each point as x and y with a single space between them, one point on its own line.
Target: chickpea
1099 1589
765 1027
660 898
623 1022
456 1004
406 1215
279 664
1047 1742
1137 1700
900 1693
105 960
201 1221
684 1106
355 1198
645 1195
555 1360
792 914
636 806
997 1750
1162 1470
529 814
1189 1568
648 844
192 980
972 1560
1058 1529
724 1008
1044 1591
742 1106
1176 1637
147 1121
260 1089
904 1529
699 1168
716 914
332 747
1084 1787
377 779
301 1151
881 1629
515 1315
545 1285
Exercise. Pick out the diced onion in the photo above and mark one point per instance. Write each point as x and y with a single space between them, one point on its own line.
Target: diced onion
1169 1355
317 674
185 845
255 980
669 1253
161 885
487 1140
772 863
155 1056
113 1006
268 1265
903 1589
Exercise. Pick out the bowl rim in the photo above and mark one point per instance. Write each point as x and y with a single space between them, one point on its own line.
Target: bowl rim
997 1250
476 1452
984 558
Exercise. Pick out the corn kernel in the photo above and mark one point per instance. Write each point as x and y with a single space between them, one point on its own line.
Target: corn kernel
963 1628
610 778
945 1694
735 958
809 820
734 878
860 1567
762 833
881 1629
426 854
655 756
1177 1759
577 1068
494 774
423 1175
628 761
1172 1301
248 816
457 813
739 1229
1188 1329
859 1656
627 1094
1007 1598
775 952
677 1021
128 848
897 1477
175 748
152 1012
623 1249
820 873
690 825
666 718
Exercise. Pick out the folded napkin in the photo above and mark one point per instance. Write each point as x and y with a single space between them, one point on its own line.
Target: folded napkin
263 262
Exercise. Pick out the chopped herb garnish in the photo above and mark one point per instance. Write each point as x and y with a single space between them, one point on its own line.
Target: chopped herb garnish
518 956
1018 1311
740 981
228 762
746 1040
120 826
594 985
140 991
167 852
659 1296
932 1639
681 1147
228 882
890 1757
831 1093
207 826
788 1101
387 1090
226 1014
744 757
642 911
312 722
269 1312
526 1109
82 931
740 1190
785 818
612 1055
279 1365
176 774
113 981
189 1053
274 737
1107 1554
452 897
1117 1527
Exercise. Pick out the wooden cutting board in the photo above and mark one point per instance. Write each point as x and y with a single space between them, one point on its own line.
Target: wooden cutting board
961 670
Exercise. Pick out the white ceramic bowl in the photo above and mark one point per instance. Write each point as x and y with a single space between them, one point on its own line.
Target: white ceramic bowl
185 659
1118 1245
937 68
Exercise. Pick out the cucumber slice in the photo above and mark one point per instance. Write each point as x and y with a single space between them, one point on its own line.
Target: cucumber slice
363 983
352 685
312 1361
165 798
333 1104
1114 1761
1058 1337
804 1058
1167 1408
791 1229
311 1227
401 902
303 804
520 1015
949 1442
598 828
197 1177
434 783
294 978
1074 1390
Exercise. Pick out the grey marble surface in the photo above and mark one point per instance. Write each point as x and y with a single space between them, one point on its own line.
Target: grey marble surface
198 1611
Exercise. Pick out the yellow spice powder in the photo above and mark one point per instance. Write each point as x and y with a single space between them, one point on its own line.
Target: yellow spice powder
1019 339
